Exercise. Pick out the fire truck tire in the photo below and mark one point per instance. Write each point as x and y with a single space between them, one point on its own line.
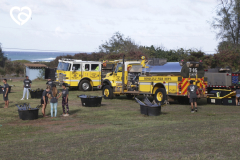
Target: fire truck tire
107 92
129 96
85 86
160 95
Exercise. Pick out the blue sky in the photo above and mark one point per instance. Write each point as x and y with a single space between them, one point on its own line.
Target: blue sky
71 25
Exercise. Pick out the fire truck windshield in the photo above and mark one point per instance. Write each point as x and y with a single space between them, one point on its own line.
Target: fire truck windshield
118 68
63 66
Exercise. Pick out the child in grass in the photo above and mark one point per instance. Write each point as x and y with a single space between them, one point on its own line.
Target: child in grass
54 95
44 100
65 99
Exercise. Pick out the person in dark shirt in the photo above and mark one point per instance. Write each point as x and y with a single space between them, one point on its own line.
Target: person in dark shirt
44 100
54 95
26 86
65 99
192 94
5 93
237 95
49 82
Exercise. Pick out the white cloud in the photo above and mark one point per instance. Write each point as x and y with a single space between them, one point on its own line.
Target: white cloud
60 33
121 4
66 4
4 6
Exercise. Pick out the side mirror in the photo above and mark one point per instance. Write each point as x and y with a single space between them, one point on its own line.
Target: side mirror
113 68
73 69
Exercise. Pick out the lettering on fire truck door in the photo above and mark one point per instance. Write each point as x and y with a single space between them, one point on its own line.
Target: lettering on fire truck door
95 74
76 74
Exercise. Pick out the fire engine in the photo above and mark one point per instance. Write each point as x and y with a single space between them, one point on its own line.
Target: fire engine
81 74
166 81
222 82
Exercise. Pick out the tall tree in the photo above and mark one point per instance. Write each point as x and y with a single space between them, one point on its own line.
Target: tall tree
2 57
227 21
118 44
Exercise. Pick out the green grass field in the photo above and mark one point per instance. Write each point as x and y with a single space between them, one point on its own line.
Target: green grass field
117 130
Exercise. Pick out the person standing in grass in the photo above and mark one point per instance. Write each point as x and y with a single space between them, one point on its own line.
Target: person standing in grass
5 93
192 94
65 99
237 95
54 95
26 86
44 100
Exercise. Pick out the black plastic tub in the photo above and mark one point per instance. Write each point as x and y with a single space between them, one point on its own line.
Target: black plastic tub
91 101
154 111
39 94
144 109
36 94
33 95
28 114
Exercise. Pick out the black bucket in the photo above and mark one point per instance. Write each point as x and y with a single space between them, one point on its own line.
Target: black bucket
32 93
144 109
154 111
36 94
28 114
39 94
91 101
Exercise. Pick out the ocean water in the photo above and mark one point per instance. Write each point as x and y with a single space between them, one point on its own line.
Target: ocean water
34 56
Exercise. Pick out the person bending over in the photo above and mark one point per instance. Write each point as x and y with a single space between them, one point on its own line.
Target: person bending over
49 82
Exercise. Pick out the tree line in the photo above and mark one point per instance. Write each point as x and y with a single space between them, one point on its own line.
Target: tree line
118 45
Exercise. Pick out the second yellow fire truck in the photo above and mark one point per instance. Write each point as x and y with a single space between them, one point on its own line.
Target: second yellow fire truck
166 81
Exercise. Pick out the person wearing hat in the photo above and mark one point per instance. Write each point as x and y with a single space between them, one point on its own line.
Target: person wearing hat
192 94
26 86
49 82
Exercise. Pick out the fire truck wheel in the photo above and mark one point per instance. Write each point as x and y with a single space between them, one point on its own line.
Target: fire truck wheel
160 95
129 96
107 92
85 86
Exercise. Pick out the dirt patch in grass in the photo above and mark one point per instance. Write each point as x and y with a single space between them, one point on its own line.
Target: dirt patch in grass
58 125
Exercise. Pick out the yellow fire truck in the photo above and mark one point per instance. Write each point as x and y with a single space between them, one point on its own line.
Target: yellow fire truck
77 73
166 81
